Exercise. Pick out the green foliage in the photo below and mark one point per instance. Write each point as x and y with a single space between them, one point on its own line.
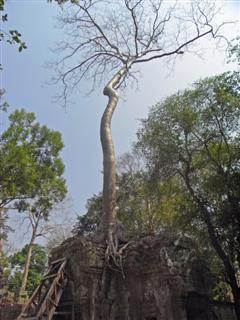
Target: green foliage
15 38
222 292
11 36
4 267
143 208
87 224
3 260
234 51
193 136
1 5
30 166
37 266
3 104
4 228
197 133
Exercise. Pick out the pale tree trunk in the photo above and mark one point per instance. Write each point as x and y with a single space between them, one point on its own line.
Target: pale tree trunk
109 170
27 263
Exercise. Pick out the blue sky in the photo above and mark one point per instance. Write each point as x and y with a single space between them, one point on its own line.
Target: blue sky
25 78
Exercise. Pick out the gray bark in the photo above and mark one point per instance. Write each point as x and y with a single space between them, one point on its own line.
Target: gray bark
109 170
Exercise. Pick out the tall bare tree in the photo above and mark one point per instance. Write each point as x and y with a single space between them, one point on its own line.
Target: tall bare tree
107 41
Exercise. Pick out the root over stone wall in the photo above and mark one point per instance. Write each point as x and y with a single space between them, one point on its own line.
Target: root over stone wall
162 277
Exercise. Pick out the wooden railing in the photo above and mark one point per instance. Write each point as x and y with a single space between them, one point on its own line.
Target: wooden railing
46 297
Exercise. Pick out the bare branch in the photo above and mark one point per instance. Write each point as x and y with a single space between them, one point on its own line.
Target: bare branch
178 50
135 24
103 36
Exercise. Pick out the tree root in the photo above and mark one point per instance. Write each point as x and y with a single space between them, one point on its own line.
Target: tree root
114 256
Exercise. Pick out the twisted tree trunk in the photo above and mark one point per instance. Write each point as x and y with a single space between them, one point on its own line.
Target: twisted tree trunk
109 220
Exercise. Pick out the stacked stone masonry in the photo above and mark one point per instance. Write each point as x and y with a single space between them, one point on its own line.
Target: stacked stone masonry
162 279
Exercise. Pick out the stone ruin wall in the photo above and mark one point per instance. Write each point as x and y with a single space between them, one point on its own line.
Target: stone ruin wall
163 280
10 312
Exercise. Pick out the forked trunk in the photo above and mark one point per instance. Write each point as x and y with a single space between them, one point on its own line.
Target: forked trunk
109 171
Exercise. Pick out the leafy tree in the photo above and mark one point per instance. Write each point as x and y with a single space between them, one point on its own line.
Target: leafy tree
195 136
102 43
87 224
36 268
143 208
31 173
30 166
147 206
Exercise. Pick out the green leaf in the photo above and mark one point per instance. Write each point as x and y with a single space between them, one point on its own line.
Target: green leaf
1 5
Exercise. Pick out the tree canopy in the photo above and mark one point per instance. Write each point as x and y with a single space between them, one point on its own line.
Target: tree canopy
30 164
143 207
31 170
194 135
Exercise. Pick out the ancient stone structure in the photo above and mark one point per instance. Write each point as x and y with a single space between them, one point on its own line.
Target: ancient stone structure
162 279
224 310
10 312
